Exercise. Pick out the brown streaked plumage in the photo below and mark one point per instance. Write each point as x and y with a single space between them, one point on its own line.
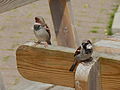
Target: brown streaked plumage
42 31
82 54
77 51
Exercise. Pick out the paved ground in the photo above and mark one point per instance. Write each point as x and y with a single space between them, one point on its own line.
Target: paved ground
93 15
16 29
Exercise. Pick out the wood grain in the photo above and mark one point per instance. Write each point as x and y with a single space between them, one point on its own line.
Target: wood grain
110 74
109 50
62 20
115 37
6 5
108 46
87 76
46 65
52 64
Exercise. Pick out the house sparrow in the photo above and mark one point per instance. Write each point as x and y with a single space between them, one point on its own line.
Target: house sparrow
42 31
82 54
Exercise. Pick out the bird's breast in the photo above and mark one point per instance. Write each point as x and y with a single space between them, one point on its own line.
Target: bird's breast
83 56
41 34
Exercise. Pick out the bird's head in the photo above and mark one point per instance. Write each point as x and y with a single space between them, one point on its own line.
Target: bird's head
39 22
87 45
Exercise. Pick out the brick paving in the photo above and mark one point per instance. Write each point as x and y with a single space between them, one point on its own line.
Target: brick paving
16 29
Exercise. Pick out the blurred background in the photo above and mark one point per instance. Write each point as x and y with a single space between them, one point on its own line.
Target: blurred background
93 19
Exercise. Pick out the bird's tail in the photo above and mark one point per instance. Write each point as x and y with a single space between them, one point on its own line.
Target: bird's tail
49 42
73 67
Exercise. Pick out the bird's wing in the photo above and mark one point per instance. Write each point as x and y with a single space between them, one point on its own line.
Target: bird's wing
77 51
48 30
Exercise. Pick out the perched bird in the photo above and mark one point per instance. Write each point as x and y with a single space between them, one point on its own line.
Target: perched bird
42 31
82 54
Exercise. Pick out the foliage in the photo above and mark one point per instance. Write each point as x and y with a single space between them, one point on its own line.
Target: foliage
95 29
109 27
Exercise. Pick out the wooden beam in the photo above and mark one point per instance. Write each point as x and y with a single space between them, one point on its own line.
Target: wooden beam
48 65
52 64
6 5
109 51
108 46
62 20
115 37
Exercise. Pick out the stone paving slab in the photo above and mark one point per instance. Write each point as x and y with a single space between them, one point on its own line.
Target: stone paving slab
16 29
2 87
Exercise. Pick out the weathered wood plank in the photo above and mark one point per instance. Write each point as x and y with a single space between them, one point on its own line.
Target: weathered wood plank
52 64
115 37
62 20
110 74
108 46
87 76
48 65
6 5
109 50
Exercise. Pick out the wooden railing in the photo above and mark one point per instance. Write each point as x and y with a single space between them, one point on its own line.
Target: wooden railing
109 51
52 64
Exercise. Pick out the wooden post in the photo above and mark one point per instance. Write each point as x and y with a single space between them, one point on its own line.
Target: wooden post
87 76
61 15
62 20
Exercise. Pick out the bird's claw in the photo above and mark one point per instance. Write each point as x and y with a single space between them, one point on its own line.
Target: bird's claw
42 43
45 44
37 42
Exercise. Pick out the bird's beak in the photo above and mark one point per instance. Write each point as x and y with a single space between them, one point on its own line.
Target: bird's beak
89 46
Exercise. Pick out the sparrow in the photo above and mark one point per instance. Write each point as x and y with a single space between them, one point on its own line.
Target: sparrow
42 31
82 54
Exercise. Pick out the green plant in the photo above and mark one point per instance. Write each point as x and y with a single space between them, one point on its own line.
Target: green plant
96 27
86 5
108 31
94 31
